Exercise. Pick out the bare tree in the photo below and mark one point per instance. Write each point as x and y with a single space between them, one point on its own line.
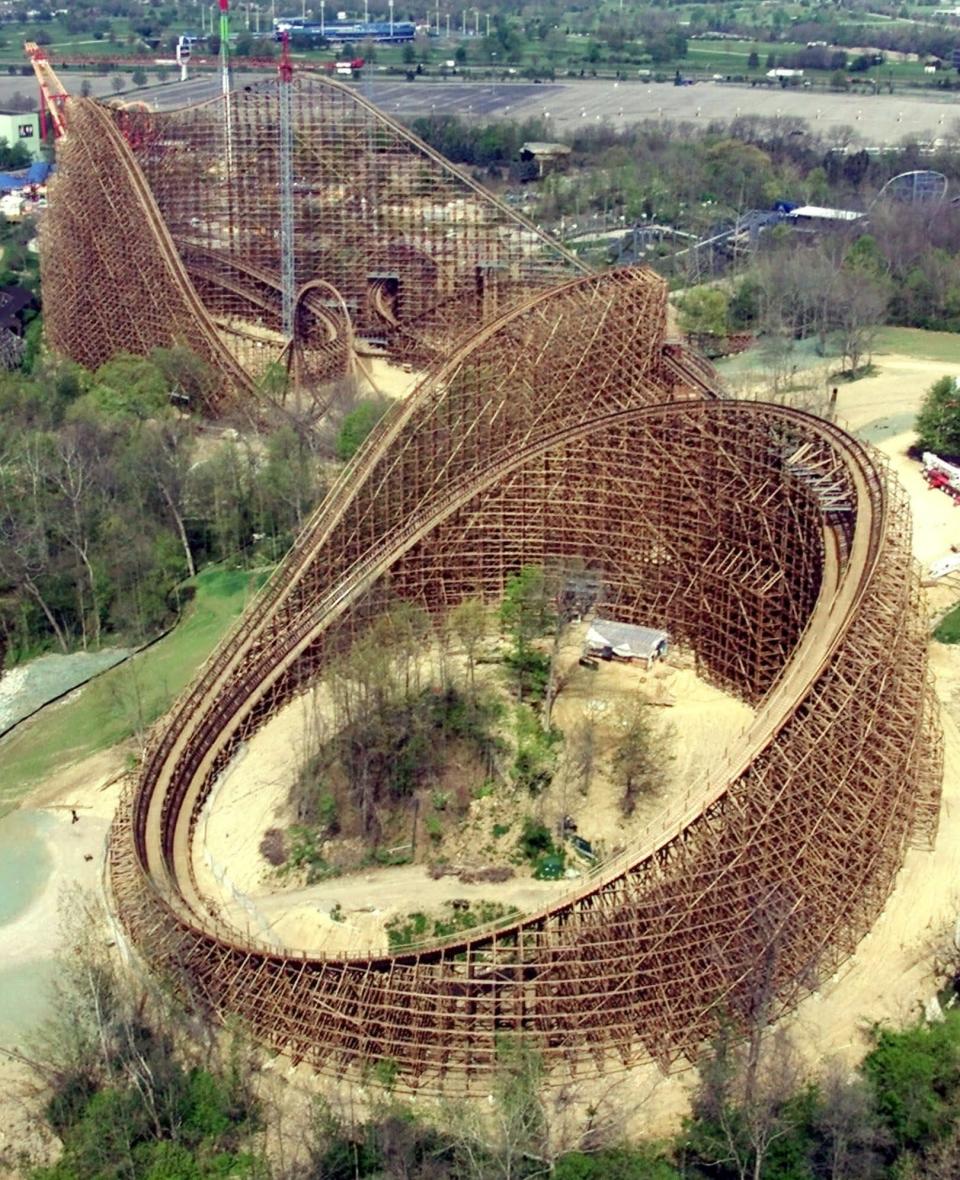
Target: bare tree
72 467
743 1107
640 759
470 622
513 1139
165 452
848 1127
858 313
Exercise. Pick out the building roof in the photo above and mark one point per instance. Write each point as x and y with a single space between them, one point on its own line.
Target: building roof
536 148
626 639
822 214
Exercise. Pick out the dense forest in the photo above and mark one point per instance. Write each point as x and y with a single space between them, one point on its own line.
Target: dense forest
111 496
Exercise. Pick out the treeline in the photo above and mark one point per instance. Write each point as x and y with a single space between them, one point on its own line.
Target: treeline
136 1091
110 497
689 176
839 289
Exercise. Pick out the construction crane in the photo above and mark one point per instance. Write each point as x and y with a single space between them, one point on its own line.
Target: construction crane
53 93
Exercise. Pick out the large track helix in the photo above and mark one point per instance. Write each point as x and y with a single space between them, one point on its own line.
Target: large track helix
769 541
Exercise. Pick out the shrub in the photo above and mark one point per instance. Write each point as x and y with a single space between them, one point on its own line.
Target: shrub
356 426
915 1079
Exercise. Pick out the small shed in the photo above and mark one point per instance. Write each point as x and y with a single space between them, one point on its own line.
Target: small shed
547 157
625 641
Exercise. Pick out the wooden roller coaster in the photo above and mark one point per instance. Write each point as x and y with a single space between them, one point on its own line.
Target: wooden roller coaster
767 540
211 226
565 427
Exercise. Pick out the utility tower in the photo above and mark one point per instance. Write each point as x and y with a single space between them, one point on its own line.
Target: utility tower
287 279
225 81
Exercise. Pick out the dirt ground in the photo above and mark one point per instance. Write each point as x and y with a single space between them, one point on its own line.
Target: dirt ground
383 377
252 796
90 789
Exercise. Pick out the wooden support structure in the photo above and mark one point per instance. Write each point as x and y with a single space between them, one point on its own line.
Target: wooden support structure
773 544
176 220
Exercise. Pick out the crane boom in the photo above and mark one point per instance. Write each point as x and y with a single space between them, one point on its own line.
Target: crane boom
53 93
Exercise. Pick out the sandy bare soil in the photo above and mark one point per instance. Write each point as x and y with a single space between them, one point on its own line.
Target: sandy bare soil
251 796
383 377
90 788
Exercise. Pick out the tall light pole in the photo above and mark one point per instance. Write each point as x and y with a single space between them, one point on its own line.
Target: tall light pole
323 16
391 19
366 12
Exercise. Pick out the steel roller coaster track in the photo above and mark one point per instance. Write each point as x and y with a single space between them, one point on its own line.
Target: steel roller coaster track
767 540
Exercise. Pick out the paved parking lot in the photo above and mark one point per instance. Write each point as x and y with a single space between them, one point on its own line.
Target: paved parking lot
568 104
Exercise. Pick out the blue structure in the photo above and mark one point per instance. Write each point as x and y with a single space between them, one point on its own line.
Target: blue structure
343 31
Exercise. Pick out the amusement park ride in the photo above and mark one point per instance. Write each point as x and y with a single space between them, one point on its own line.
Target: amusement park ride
287 221
291 219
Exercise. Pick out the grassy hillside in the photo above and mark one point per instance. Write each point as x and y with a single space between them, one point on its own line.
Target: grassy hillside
129 697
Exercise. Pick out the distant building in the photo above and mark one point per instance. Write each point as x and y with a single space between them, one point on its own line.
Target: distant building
818 215
19 127
546 157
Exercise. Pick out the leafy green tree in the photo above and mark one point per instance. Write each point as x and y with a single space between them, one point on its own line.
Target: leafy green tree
525 613
130 386
469 622
356 426
938 423
914 1075
615 1163
703 311
743 310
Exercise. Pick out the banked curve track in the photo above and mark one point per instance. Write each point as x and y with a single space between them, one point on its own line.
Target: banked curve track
767 540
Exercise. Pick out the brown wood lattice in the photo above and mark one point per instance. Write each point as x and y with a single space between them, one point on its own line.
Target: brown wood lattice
566 426
770 541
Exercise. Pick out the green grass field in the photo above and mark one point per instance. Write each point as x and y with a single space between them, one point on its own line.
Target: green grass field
129 697
916 342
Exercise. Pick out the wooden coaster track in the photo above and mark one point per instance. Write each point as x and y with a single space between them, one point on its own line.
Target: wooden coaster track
767 540
175 217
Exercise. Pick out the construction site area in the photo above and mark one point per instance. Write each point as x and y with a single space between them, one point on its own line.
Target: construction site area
293 235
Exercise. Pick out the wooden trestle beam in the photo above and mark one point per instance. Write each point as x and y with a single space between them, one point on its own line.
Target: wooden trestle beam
772 543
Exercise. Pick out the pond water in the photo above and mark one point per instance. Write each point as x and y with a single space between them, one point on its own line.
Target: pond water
25 994
25 862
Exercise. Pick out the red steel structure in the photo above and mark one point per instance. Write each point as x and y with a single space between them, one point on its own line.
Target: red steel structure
767 540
